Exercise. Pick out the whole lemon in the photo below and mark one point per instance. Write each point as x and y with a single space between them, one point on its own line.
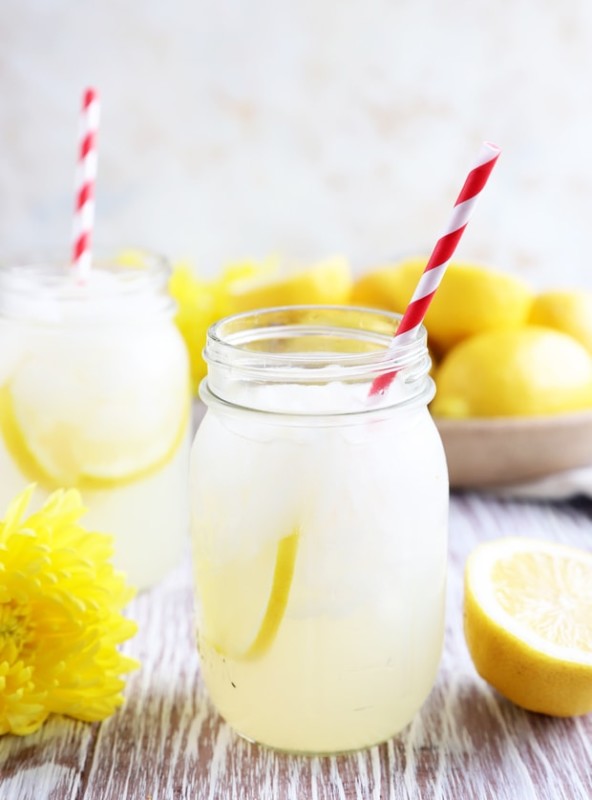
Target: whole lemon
469 300
326 282
529 371
569 311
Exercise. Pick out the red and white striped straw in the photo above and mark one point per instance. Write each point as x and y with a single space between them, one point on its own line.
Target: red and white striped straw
86 173
441 255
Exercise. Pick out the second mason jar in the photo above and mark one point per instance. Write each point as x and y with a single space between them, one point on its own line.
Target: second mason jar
319 520
94 395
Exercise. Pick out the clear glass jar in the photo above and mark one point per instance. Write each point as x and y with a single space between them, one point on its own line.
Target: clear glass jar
94 394
319 521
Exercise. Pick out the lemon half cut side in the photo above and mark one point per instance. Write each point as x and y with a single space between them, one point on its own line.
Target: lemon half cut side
228 639
528 623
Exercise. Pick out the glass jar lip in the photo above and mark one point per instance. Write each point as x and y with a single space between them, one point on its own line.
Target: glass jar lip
229 338
133 266
374 410
33 280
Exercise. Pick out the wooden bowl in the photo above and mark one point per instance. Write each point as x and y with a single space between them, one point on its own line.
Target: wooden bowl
485 453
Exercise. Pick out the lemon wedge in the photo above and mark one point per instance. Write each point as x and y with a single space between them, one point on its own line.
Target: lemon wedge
244 603
528 623
327 282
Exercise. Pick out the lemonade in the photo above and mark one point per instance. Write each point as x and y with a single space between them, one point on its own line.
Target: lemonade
94 394
319 525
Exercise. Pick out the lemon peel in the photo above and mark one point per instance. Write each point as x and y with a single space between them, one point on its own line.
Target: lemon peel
326 282
569 311
528 371
275 607
202 302
528 622
60 616
471 298
30 466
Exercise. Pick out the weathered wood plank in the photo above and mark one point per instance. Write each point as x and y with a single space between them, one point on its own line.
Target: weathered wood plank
50 763
168 744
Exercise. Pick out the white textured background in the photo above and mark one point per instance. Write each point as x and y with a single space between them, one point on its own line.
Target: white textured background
305 126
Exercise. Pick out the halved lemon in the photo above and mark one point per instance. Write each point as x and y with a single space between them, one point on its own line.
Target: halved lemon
528 623
244 601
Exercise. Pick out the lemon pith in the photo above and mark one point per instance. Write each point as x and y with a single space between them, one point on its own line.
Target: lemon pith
528 623
275 608
29 466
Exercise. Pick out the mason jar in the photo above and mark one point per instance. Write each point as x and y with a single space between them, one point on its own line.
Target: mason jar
95 395
319 528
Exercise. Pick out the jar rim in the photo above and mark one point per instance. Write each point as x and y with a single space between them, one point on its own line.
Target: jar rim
34 283
325 357
230 342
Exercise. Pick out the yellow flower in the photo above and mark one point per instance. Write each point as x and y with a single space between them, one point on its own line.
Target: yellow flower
60 621
200 303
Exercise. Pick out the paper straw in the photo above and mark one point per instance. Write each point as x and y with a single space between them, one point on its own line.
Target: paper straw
86 174
441 255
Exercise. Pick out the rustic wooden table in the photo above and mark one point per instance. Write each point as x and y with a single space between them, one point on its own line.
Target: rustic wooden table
167 743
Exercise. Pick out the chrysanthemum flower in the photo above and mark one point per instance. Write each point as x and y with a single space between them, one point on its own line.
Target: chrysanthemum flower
60 620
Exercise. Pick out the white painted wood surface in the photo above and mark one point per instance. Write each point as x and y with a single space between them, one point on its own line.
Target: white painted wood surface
168 744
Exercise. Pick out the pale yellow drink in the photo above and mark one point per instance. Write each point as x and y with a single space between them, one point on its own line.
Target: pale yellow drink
319 532
94 394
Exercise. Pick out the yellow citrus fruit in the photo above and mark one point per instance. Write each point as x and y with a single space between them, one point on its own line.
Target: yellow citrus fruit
529 371
197 309
96 418
57 464
243 623
327 282
567 311
528 623
202 302
469 300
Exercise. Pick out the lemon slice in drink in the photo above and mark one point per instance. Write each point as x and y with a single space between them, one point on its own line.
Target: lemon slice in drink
95 419
244 602
528 623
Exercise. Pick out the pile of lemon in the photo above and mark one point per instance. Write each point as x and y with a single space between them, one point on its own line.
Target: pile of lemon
499 349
